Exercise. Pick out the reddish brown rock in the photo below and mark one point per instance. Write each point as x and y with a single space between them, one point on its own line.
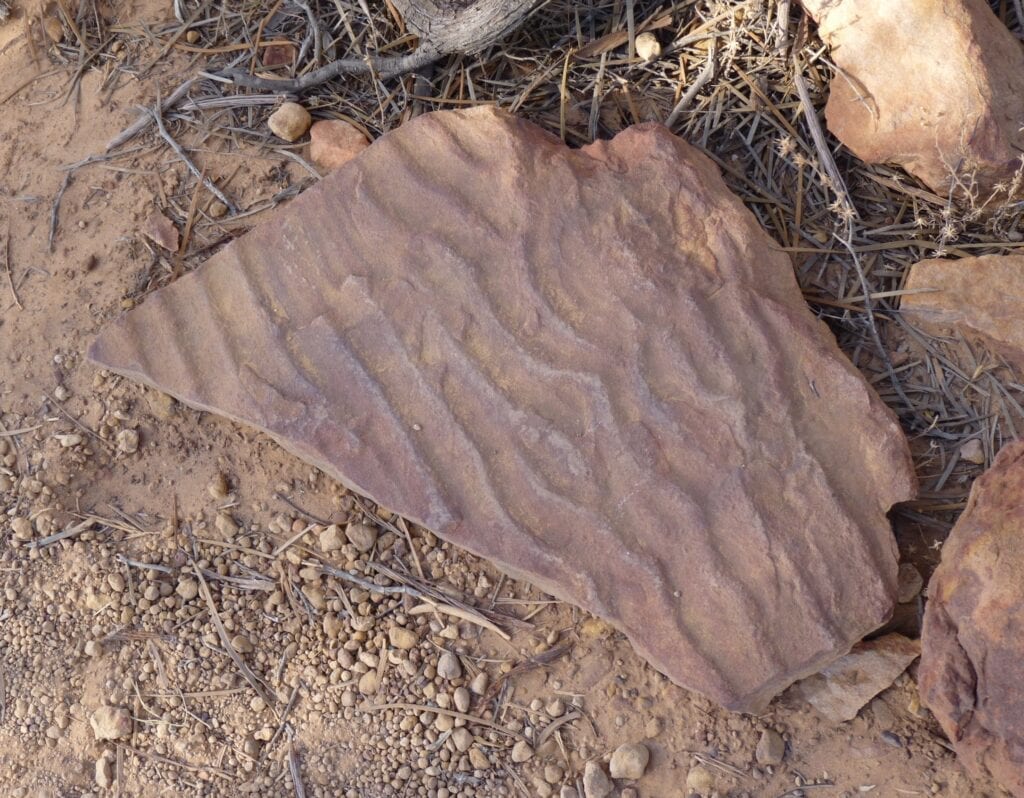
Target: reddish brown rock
161 231
278 55
333 143
981 297
590 366
934 86
972 659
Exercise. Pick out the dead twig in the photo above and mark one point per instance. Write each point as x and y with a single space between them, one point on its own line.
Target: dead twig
8 269
210 185
701 81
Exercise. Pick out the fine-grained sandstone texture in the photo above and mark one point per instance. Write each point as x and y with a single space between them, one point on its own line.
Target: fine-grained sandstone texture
930 85
972 661
589 366
982 297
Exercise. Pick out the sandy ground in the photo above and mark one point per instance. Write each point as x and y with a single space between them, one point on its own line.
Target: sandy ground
111 616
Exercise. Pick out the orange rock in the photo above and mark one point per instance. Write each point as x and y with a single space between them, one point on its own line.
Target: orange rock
982 297
591 366
972 658
934 87
334 143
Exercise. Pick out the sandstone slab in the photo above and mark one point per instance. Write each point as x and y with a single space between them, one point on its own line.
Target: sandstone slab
592 367
934 86
972 659
982 297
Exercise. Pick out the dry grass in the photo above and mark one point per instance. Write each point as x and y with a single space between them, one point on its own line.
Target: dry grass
738 79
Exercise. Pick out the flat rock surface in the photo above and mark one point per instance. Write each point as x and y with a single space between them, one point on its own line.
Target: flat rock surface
844 687
592 367
948 93
972 659
981 297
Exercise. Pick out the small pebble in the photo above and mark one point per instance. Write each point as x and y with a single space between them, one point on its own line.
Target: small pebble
369 683
771 748
127 441
973 452
104 773
111 723
478 759
362 536
462 699
242 644
521 752
403 638
700 780
448 666
647 46
595 781
290 122
629 761
332 538
479 684
463 739
652 728
22 528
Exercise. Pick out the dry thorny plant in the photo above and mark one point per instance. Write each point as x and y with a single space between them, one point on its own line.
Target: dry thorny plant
743 80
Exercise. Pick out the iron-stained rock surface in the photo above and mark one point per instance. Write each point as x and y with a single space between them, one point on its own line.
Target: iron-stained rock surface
589 366
935 86
982 297
972 658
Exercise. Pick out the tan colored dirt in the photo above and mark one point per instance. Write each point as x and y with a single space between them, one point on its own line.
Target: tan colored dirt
114 614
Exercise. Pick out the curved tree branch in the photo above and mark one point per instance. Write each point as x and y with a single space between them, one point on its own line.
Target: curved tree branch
385 67
443 26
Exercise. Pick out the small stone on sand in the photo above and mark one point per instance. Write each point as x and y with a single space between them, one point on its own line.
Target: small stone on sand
629 761
111 723
290 122
771 748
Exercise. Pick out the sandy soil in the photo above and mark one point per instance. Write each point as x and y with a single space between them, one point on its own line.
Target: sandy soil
110 614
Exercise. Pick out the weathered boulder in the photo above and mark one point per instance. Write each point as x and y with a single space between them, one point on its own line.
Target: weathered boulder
590 366
972 658
982 297
934 87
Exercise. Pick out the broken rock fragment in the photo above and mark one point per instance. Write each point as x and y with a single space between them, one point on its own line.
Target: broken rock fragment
934 87
844 687
972 659
982 297
590 366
